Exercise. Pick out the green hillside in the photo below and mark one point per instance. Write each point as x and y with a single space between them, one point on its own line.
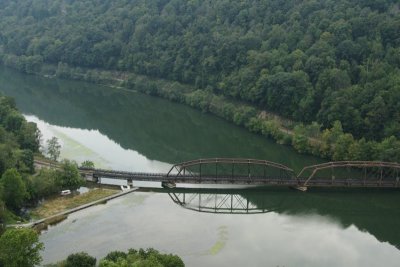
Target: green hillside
313 60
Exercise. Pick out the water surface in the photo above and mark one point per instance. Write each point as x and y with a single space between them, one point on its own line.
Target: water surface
317 229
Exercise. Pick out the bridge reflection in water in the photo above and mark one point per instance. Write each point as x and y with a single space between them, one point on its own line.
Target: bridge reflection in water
370 210
217 203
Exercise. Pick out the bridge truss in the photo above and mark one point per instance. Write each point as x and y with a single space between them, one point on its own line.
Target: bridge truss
231 170
216 203
263 172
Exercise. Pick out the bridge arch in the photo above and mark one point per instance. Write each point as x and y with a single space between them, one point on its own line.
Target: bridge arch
231 168
352 173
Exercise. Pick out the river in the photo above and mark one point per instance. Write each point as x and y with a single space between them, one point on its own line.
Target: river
256 227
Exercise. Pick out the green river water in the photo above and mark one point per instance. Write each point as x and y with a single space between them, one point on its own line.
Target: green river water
255 227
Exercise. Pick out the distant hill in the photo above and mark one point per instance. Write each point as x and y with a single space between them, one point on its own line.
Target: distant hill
311 60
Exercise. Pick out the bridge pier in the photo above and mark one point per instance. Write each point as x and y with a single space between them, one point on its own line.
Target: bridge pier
300 188
168 184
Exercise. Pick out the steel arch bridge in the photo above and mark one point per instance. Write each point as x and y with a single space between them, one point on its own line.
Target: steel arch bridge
372 174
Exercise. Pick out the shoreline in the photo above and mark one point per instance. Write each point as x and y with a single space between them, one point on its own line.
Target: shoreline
330 144
43 223
279 129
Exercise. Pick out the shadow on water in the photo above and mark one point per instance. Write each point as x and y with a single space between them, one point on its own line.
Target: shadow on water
370 210
156 128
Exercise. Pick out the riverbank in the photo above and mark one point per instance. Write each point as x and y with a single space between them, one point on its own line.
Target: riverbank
53 206
332 144
54 218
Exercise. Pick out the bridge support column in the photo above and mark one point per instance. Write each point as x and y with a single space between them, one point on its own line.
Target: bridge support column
301 188
167 184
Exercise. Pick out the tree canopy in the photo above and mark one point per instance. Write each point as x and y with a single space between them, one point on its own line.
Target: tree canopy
81 259
138 258
19 139
141 257
53 148
14 189
20 247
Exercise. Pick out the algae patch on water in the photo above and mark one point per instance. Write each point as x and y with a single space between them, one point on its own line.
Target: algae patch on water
136 199
221 242
71 148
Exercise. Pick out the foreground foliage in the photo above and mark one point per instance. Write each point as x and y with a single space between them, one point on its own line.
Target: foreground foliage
149 257
81 259
133 258
20 247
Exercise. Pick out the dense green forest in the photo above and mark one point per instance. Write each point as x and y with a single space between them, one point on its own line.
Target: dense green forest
19 139
313 60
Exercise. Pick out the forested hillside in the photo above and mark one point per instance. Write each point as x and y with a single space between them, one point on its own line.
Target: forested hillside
312 60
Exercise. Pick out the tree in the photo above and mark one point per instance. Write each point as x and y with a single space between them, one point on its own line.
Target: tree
25 161
342 147
20 247
8 157
69 176
29 136
115 255
2 209
81 259
14 189
14 121
44 183
87 164
300 140
53 148
390 148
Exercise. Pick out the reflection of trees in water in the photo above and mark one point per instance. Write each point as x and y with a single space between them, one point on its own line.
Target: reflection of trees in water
373 211
154 127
